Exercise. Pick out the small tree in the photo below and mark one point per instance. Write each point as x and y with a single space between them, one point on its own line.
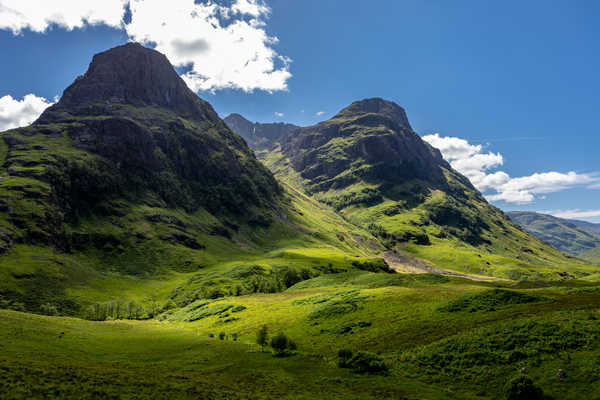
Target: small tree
281 344
222 335
523 388
262 337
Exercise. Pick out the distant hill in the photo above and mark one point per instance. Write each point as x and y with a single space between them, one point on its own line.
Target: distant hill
587 225
259 136
591 255
572 237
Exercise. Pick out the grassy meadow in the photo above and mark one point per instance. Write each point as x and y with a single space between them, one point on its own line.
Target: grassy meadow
442 338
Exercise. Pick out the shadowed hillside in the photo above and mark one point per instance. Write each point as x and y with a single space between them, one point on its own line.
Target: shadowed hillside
131 187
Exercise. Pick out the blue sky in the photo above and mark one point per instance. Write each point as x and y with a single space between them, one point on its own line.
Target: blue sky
510 88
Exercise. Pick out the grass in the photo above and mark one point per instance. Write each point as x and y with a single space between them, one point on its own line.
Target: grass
432 353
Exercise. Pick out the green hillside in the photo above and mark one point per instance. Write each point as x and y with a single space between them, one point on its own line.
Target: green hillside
144 248
592 255
368 164
565 235
136 194
440 338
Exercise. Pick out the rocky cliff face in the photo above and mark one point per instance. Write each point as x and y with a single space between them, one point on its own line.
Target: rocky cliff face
129 74
127 133
259 136
369 140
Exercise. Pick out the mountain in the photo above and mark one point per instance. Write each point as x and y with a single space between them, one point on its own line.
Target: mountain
259 136
131 180
572 237
595 228
368 164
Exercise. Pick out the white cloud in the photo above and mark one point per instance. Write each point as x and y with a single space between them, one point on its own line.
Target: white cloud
475 164
38 16
15 113
319 113
279 114
220 46
576 214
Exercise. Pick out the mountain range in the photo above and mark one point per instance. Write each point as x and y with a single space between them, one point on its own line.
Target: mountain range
150 249
578 238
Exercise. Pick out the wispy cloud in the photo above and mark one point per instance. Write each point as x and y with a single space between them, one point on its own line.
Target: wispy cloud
15 113
279 114
472 161
319 113
223 44
576 214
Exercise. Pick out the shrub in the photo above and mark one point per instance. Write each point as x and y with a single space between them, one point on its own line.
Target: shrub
365 362
262 337
523 388
48 309
222 336
281 344
344 357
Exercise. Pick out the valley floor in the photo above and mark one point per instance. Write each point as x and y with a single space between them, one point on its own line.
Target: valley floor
442 337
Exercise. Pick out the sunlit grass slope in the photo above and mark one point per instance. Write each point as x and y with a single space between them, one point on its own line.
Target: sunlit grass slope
443 338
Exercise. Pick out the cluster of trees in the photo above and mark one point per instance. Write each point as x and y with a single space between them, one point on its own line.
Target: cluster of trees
259 281
280 343
119 309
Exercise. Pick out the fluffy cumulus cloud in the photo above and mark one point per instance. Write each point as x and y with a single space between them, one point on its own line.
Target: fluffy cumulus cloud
39 16
15 113
220 44
478 165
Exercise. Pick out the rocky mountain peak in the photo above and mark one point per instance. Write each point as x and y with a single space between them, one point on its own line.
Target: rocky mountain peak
135 75
380 106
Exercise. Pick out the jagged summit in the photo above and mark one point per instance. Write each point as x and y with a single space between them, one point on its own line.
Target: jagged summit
378 106
370 140
130 74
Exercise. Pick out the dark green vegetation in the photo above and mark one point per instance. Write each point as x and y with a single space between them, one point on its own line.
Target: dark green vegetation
572 237
134 206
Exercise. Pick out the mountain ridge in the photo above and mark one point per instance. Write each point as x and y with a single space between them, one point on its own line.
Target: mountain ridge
259 136
572 237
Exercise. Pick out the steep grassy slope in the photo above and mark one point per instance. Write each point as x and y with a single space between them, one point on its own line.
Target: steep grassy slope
592 255
368 164
560 233
442 339
131 188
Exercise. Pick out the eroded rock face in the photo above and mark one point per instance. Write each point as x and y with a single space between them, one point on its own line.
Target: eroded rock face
152 134
258 135
129 74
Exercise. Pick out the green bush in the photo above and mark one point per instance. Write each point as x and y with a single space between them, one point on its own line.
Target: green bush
49 309
281 344
364 362
345 356
523 388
